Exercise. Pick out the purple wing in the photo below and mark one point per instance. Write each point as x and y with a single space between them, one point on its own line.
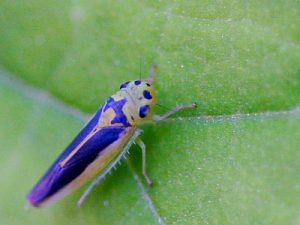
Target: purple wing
57 176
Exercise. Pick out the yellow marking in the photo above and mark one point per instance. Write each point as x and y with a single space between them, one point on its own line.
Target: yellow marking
105 121
117 96
62 163
107 117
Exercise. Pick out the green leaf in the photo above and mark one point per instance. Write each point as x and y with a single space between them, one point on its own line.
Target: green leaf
234 160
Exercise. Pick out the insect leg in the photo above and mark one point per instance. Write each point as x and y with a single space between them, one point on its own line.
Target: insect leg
144 168
172 111
102 175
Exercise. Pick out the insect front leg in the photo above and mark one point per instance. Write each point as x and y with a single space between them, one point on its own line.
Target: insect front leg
172 111
144 166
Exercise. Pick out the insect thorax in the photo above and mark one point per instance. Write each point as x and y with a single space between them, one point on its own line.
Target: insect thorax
140 96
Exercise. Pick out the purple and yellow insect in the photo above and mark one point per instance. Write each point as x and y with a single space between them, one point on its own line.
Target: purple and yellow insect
102 143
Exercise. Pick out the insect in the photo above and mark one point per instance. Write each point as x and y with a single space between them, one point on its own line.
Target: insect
102 143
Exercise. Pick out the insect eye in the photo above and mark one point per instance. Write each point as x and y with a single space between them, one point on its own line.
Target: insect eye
147 94
144 111
124 85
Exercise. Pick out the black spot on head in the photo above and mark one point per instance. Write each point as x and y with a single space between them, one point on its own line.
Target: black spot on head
144 111
147 95
148 84
124 85
137 82
132 118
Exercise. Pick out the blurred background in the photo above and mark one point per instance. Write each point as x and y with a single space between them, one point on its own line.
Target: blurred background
233 160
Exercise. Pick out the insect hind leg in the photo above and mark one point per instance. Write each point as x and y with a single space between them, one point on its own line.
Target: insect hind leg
107 170
144 168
